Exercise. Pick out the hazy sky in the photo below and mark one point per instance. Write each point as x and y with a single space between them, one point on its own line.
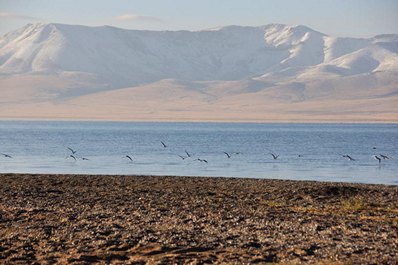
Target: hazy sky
359 18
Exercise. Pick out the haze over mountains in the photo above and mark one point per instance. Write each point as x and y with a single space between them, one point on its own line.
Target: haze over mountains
269 73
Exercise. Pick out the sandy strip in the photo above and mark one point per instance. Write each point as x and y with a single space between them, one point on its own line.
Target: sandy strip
145 219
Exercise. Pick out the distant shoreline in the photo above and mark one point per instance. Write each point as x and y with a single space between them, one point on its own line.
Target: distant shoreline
392 122
103 218
221 178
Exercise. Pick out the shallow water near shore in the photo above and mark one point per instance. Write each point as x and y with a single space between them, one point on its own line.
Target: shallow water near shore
306 151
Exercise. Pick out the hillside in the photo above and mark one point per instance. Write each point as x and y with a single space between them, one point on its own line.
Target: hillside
269 73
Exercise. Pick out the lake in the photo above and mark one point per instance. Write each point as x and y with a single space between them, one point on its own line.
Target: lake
306 151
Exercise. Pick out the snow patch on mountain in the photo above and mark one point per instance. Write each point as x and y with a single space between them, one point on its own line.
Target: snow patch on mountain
273 64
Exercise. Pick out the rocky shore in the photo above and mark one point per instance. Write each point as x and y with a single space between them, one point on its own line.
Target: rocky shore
80 219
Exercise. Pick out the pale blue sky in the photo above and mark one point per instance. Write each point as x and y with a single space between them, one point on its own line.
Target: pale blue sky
359 18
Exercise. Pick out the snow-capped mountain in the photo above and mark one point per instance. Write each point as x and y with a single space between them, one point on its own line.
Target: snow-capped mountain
272 72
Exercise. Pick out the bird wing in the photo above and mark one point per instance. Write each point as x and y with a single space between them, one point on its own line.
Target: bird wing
73 151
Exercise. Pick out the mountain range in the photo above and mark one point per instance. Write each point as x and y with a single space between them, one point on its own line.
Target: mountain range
274 72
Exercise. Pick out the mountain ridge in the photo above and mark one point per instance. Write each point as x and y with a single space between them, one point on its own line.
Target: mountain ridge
57 65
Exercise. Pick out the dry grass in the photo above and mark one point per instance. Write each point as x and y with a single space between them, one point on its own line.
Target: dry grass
355 204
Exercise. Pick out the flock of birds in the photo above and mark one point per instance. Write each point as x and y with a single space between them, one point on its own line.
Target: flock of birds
379 157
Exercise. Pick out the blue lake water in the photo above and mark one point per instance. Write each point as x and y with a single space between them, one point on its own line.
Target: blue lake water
41 147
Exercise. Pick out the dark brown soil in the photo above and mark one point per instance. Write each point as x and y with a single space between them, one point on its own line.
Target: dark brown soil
177 220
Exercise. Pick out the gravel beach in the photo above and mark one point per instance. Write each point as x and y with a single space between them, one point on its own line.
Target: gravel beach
81 219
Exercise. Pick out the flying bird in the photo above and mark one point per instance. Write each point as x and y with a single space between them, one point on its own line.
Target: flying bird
188 154
378 158
384 156
84 158
228 155
164 145
182 157
129 157
349 157
5 155
202 160
274 156
73 151
73 157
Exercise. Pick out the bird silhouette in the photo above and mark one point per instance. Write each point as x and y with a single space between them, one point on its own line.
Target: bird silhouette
274 156
349 157
84 158
73 151
129 157
188 154
384 156
164 145
202 160
378 158
72 157
228 155
182 157
6 155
